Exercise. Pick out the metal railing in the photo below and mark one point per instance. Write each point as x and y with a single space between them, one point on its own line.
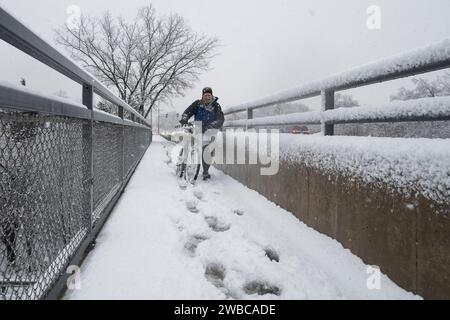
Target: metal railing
427 59
63 166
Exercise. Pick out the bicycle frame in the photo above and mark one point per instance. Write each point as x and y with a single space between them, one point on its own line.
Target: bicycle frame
190 156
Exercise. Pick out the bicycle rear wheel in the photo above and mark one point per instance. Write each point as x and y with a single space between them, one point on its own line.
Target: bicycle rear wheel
192 168
191 172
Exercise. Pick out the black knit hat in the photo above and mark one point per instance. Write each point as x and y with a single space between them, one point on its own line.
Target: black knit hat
207 90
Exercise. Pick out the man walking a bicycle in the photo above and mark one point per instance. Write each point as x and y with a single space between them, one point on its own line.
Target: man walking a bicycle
208 111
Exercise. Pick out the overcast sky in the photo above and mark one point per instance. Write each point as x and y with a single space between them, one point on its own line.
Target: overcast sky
267 45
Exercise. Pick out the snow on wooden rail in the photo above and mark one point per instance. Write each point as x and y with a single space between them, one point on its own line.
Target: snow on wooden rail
429 58
437 108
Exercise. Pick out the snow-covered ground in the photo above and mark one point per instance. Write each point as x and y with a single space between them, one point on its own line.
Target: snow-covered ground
217 240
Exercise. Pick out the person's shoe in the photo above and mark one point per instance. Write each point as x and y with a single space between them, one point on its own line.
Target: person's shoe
206 176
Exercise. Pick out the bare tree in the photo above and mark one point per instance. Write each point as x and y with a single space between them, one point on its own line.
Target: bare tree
146 61
345 101
424 88
106 106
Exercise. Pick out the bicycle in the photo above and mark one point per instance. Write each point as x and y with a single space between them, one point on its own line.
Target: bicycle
188 164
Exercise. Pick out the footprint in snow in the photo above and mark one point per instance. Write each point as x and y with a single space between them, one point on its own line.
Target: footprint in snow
217 225
215 274
193 242
261 288
182 184
272 254
191 205
239 212
198 194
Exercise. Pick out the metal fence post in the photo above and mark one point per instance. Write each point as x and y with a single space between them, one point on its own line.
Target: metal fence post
88 101
327 104
249 116
121 115
249 113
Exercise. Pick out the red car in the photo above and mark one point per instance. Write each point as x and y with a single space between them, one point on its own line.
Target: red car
300 130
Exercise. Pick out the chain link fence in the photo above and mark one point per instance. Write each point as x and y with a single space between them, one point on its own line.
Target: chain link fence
63 165
46 206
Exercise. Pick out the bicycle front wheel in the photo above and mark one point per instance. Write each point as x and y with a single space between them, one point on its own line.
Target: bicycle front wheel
191 172
192 168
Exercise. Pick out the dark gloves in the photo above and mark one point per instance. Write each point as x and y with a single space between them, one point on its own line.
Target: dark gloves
183 122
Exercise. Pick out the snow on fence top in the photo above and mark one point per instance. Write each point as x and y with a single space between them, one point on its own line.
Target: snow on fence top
17 33
53 104
409 166
430 108
426 108
432 57
302 117
50 97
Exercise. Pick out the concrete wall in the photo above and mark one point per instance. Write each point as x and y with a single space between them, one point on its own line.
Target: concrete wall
411 244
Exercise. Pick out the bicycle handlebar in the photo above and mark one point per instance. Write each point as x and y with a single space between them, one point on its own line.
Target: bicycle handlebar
187 125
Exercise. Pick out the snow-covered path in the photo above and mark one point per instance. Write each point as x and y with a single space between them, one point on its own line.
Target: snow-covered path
217 240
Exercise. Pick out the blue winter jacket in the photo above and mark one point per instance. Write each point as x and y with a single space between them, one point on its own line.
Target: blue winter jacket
211 116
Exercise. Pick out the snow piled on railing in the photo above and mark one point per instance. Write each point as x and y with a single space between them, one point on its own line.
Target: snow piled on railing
431 108
90 78
409 166
301 117
52 97
435 53
427 107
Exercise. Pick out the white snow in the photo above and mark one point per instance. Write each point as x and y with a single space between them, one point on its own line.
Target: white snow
428 55
66 101
313 117
408 166
155 246
426 107
25 90
91 79
99 111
